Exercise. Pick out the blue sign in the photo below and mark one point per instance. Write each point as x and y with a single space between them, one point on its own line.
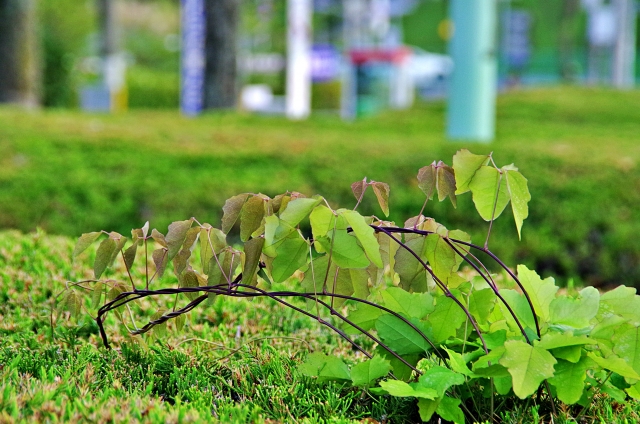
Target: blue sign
325 63
193 56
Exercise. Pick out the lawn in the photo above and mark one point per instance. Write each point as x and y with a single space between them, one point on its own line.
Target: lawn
577 146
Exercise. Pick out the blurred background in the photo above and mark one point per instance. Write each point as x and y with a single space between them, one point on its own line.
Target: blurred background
120 111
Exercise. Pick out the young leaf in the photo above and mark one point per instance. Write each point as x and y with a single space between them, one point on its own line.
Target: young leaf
96 294
231 211
104 254
401 389
365 372
553 340
569 379
440 379
145 229
465 165
519 193
427 179
620 301
381 191
615 364
130 254
190 279
252 251
541 292
400 337
346 251
176 236
446 183
72 303
159 330
322 221
446 319
180 321
251 216
160 259
364 234
210 238
449 409
413 276
528 366
291 255
84 242
414 305
326 368
458 364
158 237
484 187
298 209
578 312
481 303
358 188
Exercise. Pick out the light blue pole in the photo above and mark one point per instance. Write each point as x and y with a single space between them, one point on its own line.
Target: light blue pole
472 96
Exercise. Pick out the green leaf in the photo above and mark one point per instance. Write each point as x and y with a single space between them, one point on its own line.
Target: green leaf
275 231
251 216
578 312
615 364
465 165
180 320
528 365
414 305
298 209
322 221
519 193
446 319
626 344
620 301
440 379
291 255
553 340
541 292
481 303
427 407
519 306
347 253
484 187
159 330
489 365
176 236
326 368
569 379
212 240
449 409
84 242
400 370
413 276
365 372
364 234
364 316
399 388
400 337
252 251
158 237
231 211
446 183
130 254
160 259
381 191
103 256
96 294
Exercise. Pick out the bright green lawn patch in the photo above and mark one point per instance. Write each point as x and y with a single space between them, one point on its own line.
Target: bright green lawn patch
69 172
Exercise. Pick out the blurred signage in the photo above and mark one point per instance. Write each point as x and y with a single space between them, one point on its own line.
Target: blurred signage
262 63
325 63
193 56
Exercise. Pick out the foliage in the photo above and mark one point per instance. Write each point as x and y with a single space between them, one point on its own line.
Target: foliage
435 326
119 171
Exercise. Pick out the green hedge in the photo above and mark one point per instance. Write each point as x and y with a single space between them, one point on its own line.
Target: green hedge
71 173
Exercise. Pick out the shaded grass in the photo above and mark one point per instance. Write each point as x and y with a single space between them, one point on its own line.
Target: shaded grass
69 172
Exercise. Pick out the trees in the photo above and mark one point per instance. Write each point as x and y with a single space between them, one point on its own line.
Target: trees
19 65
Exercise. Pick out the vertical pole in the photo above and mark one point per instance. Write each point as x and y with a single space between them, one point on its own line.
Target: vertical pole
113 64
192 58
298 101
624 53
472 96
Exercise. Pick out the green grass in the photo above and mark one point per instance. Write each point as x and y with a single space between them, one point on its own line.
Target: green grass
70 172
234 361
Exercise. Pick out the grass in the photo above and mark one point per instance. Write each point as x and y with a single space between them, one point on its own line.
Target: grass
578 147
234 361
